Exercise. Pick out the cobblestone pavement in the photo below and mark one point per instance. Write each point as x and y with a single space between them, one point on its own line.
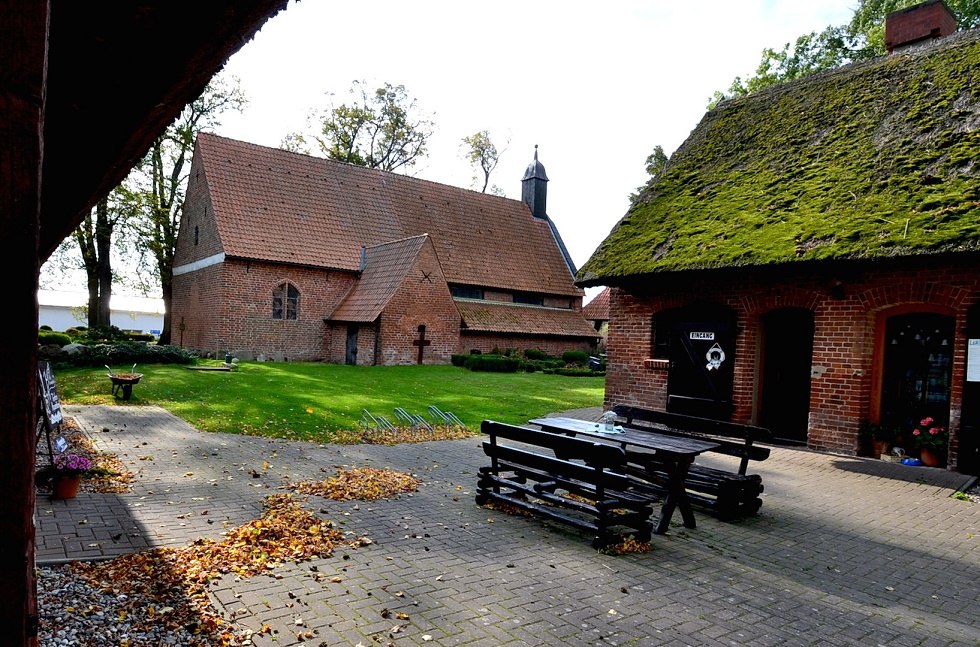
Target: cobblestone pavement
845 551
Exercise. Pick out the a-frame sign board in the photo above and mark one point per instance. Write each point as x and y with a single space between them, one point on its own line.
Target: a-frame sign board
51 416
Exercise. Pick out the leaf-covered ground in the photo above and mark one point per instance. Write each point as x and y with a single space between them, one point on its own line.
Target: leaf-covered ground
108 473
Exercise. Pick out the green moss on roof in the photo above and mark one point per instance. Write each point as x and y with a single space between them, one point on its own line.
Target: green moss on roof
878 159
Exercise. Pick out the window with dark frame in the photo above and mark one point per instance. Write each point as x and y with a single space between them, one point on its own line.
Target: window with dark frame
463 292
285 302
528 298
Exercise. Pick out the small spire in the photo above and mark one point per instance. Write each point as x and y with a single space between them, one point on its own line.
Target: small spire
535 152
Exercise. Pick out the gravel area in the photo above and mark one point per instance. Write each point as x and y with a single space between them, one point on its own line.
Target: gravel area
77 614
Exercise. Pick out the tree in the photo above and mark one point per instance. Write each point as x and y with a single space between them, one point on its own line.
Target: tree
94 238
862 38
158 184
378 129
482 153
656 164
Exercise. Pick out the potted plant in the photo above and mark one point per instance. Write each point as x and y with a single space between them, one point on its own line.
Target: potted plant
67 473
878 438
931 439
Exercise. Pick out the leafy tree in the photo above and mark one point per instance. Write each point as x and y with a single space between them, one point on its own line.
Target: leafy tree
656 164
482 154
158 184
862 38
377 129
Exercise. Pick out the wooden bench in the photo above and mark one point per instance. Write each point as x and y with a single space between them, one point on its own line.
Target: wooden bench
725 494
578 482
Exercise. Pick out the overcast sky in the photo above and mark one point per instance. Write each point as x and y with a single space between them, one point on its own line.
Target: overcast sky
595 84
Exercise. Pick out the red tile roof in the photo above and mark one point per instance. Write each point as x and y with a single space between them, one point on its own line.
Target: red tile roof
497 317
598 308
279 206
385 269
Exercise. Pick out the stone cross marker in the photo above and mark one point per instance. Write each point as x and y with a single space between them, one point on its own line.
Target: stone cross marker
421 342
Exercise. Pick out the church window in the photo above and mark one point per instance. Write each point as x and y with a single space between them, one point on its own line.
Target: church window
463 292
285 302
528 298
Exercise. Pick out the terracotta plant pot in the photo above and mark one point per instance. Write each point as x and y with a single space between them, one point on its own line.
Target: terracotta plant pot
65 487
930 457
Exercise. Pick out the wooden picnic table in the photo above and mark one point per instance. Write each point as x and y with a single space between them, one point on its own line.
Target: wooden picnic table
675 453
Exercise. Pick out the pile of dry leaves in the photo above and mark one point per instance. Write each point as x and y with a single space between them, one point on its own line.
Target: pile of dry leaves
362 484
169 585
400 435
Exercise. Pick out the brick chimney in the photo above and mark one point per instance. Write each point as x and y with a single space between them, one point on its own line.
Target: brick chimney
921 22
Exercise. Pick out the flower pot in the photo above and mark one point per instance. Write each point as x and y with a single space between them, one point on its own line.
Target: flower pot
65 487
930 457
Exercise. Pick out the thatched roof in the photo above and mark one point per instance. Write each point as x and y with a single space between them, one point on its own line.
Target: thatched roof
874 160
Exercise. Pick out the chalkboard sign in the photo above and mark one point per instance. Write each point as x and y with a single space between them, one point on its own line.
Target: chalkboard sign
48 393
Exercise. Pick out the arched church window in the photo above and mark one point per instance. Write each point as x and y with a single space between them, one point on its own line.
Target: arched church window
285 302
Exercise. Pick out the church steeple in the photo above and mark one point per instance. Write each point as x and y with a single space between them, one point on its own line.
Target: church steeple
534 187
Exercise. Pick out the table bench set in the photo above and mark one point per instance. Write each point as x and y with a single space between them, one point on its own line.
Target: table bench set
606 481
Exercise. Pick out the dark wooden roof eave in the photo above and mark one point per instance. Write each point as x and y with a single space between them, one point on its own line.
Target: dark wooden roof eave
116 79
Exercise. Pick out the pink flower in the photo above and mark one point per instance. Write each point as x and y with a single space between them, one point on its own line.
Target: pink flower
934 431
916 432
925 422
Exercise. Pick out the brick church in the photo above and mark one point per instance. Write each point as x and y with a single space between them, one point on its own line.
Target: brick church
808 261
282 256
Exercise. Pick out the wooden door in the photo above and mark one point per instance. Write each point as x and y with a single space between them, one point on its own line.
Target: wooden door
702 360
787 356
351 356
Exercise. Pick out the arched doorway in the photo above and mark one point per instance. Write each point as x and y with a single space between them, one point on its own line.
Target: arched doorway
787 355
917 369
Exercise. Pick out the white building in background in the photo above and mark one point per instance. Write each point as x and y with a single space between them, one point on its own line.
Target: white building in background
63 310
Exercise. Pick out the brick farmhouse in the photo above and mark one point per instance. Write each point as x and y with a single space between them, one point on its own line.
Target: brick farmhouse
282 256
808 261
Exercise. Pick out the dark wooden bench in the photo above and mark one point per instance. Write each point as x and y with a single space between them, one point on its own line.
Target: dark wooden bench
578 482
726 494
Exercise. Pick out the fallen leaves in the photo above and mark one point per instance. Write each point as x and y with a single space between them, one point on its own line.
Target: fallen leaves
399 435
175 579
362 484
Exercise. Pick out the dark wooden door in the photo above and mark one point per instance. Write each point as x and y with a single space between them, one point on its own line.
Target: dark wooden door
351 357
918 365
787 356
968 454
702 360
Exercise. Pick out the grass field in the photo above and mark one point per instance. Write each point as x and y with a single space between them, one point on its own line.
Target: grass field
311 400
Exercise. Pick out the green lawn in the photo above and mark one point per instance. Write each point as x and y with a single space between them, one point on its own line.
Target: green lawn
310 400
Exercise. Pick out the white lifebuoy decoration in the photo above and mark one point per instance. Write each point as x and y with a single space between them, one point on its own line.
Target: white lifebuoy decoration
715 357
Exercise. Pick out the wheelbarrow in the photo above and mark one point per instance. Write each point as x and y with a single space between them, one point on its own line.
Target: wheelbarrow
123 382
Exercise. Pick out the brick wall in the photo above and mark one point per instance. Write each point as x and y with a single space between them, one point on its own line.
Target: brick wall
846 361
228 308
422 299
908 26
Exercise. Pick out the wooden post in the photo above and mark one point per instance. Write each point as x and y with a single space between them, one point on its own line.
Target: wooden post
23 78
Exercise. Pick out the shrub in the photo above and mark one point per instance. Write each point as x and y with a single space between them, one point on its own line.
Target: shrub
492 363
47 338
578 372
537 354
579 357
458 360
140 336
106 333
127 354
45 327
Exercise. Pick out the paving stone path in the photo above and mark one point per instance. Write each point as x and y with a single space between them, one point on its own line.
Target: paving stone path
845 551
